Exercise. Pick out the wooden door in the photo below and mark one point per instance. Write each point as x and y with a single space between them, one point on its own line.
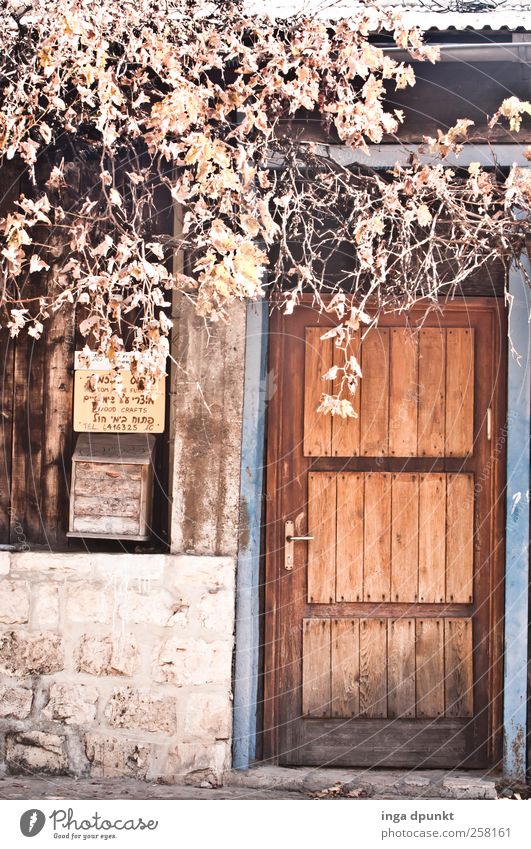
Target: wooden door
383 642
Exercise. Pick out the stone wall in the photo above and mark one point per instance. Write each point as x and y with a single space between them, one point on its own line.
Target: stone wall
116 665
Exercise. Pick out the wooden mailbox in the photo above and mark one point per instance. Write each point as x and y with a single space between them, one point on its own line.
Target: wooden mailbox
112 486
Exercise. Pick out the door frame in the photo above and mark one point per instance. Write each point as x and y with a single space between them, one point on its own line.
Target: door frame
249 641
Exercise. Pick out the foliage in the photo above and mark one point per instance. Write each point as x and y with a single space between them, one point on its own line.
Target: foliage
105 104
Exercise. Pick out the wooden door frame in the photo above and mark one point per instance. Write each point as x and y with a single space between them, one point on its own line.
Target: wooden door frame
273 555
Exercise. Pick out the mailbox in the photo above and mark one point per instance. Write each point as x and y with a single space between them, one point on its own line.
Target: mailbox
112 486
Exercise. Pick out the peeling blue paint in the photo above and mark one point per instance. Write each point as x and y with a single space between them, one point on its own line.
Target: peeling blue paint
255 395
517 533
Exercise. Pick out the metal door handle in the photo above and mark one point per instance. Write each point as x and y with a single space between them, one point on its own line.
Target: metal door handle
289 553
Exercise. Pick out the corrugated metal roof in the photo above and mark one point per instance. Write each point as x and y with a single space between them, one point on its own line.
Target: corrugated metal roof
428 14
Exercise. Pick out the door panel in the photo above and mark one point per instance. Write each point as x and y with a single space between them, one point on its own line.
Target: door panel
416 397
383 633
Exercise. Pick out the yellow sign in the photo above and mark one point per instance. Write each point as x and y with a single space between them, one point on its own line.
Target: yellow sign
103 410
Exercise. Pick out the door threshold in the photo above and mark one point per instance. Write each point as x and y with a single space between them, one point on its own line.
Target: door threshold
330 782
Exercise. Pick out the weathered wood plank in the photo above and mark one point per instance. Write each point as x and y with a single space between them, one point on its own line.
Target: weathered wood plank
459 391
322 526
401 668
57 410
106 525
373 667
458 667
97 505
377 538
404 537
92 479
403 392
318 360
10 191
27 445
429 651
316 667
431 392
349 546
346 432
459 538
432 538
7 354
345 667
374 401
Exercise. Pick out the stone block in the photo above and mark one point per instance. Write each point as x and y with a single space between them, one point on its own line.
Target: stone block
157 607
36 751
88 603
149 567
197 764
73 704
53 566
15 702
112 654
35 653
45 610
196 662
206 574
215 612
14 602
208 716
128 708
111 757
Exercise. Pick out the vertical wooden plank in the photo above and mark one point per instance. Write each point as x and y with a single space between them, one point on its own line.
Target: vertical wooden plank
345 667
429 651
431 392
57 411
349 545
26 464
346 432
322 526
6 431
8 194
459 538
403 361
432 538
377 538
317 361
373 667
458 667
404 537
374 400
459 391
316 667
401 668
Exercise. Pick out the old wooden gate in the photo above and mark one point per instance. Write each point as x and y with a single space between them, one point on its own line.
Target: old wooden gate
383 631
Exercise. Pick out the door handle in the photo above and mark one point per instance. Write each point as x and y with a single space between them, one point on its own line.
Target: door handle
291 538
289 551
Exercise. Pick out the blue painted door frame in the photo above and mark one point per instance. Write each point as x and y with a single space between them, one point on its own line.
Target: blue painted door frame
517 530
517 534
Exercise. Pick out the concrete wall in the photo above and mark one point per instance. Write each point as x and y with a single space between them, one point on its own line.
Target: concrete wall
120 664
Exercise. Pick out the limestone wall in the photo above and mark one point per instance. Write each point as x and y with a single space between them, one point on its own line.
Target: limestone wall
116 664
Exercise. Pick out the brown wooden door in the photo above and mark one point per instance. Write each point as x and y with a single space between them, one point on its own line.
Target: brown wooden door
383 642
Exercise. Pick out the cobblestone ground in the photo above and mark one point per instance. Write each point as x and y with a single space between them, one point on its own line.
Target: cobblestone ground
17 787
